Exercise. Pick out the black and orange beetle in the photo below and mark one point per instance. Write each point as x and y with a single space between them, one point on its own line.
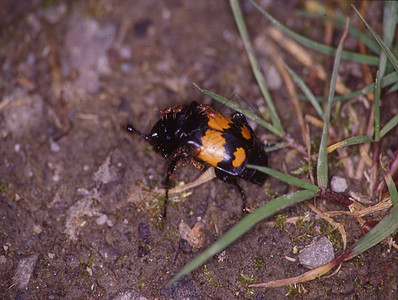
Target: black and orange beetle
198 134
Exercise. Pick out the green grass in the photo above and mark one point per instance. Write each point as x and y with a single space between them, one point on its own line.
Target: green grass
386 57
322 163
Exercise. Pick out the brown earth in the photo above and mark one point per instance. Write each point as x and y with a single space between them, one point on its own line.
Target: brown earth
76 223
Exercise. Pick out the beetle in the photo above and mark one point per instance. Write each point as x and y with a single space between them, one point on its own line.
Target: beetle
199 135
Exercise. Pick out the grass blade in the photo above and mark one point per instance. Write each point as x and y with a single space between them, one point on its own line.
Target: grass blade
377 107
322 164
393 89
389 25
355 140
385 81
306 90
237 12
390 17
339 21
243 226
351 56
390 125
286 178
382 230
239 108
392 189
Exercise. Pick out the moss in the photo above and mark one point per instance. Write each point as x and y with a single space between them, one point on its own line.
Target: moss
334 236
140 282
357 261
2 188
210 279
6 189
279 222
302 170
259 262
245 277
292 290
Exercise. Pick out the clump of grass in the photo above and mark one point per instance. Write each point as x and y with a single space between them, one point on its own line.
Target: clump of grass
319 185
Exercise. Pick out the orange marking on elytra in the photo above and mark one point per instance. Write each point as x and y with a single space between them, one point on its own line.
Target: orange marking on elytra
246 132
240 157
212 150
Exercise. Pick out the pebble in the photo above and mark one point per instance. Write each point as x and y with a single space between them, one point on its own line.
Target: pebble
24 271
273 79
317 254
37 229
129 295
339 184
54 146
101 220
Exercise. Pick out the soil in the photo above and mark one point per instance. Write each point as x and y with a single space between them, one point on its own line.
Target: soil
75 219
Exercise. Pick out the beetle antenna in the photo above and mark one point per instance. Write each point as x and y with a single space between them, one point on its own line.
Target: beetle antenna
131 129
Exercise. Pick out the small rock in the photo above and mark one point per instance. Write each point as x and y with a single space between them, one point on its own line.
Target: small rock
56 177
317 254
54 146
129 295
37 229
24 271
101 220
109 223
338 184
273 79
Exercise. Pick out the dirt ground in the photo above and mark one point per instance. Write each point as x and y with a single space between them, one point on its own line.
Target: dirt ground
75 220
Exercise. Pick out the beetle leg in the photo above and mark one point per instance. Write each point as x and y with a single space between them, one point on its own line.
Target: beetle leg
232 180
167 183
242 193
170 170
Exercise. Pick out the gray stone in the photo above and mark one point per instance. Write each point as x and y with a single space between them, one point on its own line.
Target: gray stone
317 254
